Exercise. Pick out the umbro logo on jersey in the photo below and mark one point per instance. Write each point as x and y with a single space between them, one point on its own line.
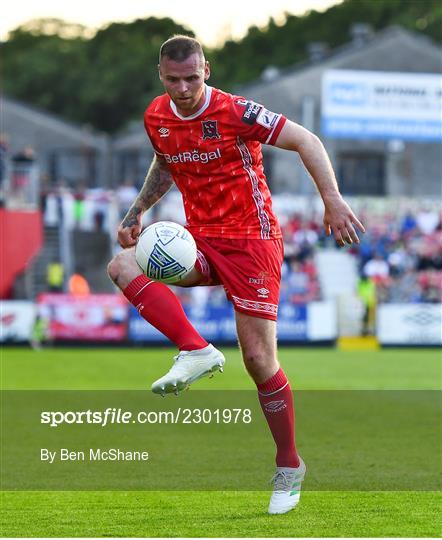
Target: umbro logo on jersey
263 292
164 132
275 406
210 129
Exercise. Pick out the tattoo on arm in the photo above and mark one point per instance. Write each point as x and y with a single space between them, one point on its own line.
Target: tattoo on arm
157 183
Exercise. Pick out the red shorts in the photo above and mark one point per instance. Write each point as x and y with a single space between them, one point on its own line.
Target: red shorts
249 270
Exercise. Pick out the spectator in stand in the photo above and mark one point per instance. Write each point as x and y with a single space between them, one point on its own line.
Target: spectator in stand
306 234
431 283
427 220
78 285
126 194
60 193
301 285
55 276
401 259
101 200
24 156
403 288
376 267
22 164
45 189
365 249
367 294
40 332
79 205
408 223
304 239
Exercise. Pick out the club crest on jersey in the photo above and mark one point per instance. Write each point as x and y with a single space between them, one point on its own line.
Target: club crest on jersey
210 129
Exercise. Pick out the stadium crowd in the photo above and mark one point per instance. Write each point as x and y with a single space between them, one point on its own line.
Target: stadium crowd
401 252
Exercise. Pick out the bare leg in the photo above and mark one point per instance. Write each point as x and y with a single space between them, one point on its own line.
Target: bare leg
257 339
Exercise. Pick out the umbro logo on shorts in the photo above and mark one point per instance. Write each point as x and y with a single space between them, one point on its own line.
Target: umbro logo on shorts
164 132
275 406
263 292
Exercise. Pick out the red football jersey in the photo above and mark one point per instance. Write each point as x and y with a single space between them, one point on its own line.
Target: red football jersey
215 159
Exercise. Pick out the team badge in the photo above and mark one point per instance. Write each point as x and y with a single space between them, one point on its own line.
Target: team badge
210 129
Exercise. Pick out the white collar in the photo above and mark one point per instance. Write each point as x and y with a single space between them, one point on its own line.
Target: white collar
208 90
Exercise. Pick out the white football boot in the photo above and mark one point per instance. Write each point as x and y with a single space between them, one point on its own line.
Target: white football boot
287 490
189 366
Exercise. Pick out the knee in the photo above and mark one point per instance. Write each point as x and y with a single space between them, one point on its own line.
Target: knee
260 362
116 265
256 360
112 269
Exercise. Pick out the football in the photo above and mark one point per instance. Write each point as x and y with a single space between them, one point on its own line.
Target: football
165 251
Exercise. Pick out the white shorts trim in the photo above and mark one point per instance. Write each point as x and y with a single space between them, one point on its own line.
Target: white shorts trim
254 305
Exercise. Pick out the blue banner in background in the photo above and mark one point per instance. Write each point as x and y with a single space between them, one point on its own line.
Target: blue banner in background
380 128
381 105
292 322
139 330
217 323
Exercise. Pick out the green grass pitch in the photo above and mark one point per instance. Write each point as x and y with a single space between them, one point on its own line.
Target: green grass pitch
214 514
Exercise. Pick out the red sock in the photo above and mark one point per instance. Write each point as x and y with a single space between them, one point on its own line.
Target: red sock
157 304
275 396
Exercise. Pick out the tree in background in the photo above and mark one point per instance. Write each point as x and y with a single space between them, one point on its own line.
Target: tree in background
107 79
283 45
104 81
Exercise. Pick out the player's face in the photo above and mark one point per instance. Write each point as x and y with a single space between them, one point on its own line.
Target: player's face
184 82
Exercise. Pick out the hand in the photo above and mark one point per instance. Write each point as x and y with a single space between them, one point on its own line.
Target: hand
340 219
129 230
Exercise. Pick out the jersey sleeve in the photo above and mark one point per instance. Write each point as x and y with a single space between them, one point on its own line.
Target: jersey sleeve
150 132
253 121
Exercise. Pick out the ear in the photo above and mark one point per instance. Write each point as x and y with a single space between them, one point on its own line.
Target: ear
206 71
159 73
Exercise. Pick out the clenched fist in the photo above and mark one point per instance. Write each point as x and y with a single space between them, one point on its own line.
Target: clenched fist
130 228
